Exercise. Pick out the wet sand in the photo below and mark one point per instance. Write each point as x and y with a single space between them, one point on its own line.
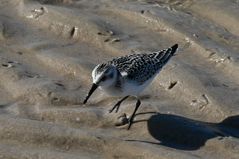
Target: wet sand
49 47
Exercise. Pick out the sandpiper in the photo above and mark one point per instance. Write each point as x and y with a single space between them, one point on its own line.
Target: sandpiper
128 76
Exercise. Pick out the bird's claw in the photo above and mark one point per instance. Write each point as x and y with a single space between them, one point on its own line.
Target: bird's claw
117 109
116 106
130 122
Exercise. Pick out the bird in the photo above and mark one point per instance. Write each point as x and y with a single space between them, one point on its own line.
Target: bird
129 75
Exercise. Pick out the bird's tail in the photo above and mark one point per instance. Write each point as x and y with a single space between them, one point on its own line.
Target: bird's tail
166 54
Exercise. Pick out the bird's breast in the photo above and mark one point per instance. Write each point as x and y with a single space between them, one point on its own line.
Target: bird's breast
112 91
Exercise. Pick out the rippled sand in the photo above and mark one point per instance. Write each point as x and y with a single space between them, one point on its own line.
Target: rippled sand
49 47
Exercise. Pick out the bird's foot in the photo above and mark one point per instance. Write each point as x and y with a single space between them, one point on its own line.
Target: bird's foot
116 106
130 122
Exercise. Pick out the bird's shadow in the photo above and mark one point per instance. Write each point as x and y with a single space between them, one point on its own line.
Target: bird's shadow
187 134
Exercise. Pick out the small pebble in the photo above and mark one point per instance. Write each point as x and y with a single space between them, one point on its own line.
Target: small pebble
122 120
8 65
115 40
110 32
77 119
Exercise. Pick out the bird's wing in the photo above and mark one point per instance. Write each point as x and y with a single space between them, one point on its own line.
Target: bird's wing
145 66
125 62
143 69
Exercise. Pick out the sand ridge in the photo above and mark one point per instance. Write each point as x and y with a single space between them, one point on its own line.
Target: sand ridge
49 47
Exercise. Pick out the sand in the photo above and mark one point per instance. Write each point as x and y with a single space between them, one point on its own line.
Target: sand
49 47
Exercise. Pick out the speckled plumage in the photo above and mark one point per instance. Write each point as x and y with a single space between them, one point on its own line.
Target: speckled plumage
140 67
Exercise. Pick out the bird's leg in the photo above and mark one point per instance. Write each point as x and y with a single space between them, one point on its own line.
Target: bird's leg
117 105
133 115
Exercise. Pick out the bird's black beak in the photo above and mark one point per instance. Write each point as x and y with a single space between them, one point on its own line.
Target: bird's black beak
93 88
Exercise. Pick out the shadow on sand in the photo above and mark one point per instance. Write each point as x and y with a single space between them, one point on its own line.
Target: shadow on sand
186 134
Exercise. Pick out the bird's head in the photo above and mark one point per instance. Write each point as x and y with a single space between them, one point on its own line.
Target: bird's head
103 75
